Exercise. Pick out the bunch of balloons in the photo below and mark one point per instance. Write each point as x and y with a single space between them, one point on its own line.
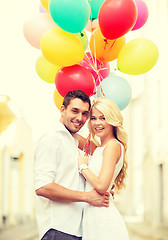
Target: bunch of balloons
71 60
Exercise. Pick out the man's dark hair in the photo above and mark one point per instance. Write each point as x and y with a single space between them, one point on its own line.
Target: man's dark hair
76 94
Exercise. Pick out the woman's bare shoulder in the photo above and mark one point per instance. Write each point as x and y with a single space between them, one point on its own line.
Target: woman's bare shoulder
113 145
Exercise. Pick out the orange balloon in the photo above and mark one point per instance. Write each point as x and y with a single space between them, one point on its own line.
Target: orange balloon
103 49
58 99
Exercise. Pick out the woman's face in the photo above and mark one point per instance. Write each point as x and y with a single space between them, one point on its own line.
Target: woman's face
99 125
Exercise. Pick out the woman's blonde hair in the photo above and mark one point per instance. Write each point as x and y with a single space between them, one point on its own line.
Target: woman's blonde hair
113 117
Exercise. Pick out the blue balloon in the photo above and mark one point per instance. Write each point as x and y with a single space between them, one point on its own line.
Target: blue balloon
70 15
117 89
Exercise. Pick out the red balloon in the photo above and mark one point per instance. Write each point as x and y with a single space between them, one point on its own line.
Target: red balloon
99 70
74 77
117 17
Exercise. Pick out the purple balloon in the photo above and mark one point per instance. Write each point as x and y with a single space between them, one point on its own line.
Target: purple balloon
41 9
142 15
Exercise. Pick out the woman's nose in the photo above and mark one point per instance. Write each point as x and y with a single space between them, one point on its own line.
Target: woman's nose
98 122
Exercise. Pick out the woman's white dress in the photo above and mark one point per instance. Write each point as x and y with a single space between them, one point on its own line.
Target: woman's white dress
101 223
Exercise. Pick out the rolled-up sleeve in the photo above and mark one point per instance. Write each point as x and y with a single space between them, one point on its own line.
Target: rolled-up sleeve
45 162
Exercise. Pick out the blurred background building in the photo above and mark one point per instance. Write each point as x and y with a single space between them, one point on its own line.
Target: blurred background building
27 108
16 160
147 122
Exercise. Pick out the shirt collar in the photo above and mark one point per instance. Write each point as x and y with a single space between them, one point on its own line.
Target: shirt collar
60 127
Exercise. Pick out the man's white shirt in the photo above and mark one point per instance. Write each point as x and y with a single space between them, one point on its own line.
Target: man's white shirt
56 160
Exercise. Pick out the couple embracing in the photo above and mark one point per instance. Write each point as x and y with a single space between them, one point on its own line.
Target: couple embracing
73 199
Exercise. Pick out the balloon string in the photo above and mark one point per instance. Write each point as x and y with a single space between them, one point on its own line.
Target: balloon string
102 90
113 43
86 146
94 40
93 57
95 62
94 68
106 43
91 20
97 72
94 65
91 63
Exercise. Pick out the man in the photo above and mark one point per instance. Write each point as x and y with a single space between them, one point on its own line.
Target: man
58 184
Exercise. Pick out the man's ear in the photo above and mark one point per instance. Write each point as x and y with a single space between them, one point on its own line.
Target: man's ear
62 108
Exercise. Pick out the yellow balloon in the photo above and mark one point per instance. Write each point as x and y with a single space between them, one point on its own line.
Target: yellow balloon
137 56
62 48
46 70
58 99
45 4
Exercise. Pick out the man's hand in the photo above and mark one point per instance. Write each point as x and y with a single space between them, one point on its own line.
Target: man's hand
111 191
98 200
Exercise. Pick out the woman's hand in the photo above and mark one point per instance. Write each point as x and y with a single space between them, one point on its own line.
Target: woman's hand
83 160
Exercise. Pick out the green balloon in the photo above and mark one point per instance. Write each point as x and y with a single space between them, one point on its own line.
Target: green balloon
70 15
95 6
84 39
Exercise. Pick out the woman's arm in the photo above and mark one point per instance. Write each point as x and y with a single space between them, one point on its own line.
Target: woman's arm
111 155
82 142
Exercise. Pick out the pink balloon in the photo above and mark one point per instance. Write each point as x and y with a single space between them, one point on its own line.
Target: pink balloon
142 14
35 27
99 70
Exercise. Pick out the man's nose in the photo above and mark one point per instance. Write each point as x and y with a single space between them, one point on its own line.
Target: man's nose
79 116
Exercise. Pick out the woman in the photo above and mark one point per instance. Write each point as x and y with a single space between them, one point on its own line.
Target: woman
106 166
